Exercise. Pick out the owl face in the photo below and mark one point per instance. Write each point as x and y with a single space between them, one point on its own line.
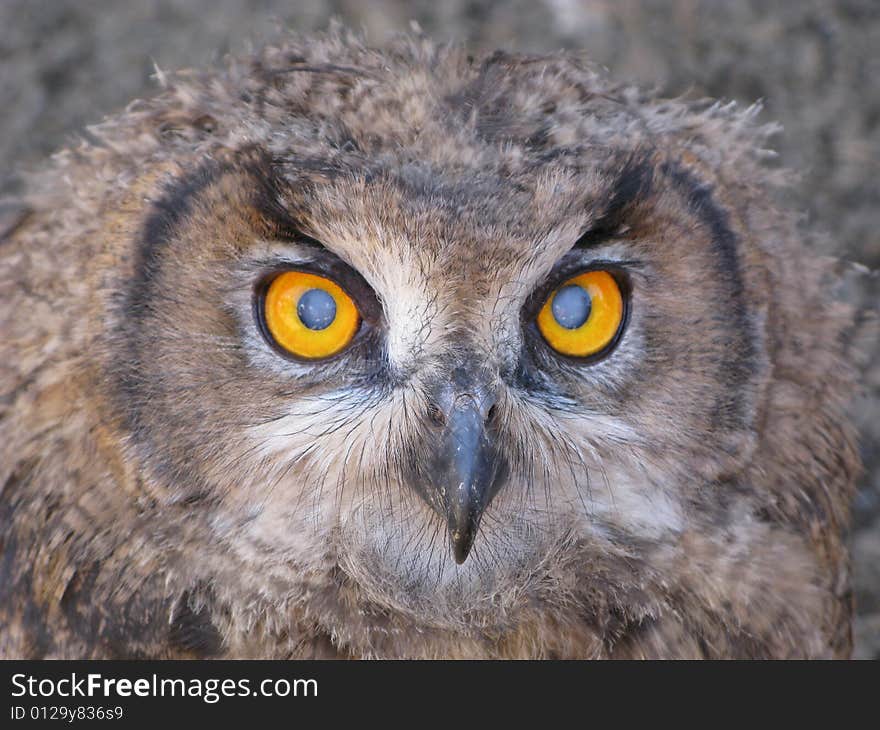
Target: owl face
436 329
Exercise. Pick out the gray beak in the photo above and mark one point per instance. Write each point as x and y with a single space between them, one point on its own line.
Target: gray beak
464 469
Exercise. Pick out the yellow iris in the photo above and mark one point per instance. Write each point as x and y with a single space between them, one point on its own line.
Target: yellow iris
583 316
310 316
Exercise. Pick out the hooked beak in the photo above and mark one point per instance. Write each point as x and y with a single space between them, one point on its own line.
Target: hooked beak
465 469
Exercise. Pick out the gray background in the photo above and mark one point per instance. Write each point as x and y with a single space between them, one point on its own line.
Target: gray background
64 64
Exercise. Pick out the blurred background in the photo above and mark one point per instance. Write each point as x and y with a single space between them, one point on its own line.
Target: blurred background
815 63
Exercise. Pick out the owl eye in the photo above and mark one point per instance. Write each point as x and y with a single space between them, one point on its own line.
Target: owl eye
583 316
308 315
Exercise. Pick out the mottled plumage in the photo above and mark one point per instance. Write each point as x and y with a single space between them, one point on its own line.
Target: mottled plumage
172 487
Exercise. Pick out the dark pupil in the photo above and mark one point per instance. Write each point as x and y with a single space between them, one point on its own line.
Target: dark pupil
571 306
316 309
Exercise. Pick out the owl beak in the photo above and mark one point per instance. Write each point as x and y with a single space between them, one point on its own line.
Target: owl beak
467 469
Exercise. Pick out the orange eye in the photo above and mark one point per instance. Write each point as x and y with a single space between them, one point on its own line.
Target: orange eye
310 316
583 316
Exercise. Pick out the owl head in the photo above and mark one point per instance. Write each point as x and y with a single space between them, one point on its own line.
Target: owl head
449 329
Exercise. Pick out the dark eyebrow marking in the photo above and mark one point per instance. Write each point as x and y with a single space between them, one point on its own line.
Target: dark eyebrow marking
169 210
701 202
631 185
742 365
165 216
265 199
178 199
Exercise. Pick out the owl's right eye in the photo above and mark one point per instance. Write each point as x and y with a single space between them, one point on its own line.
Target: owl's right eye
309 316
584 316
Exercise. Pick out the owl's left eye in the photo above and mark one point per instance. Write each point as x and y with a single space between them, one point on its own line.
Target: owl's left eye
583 317
308 315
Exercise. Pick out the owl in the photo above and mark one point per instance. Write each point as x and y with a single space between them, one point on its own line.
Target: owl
342 351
